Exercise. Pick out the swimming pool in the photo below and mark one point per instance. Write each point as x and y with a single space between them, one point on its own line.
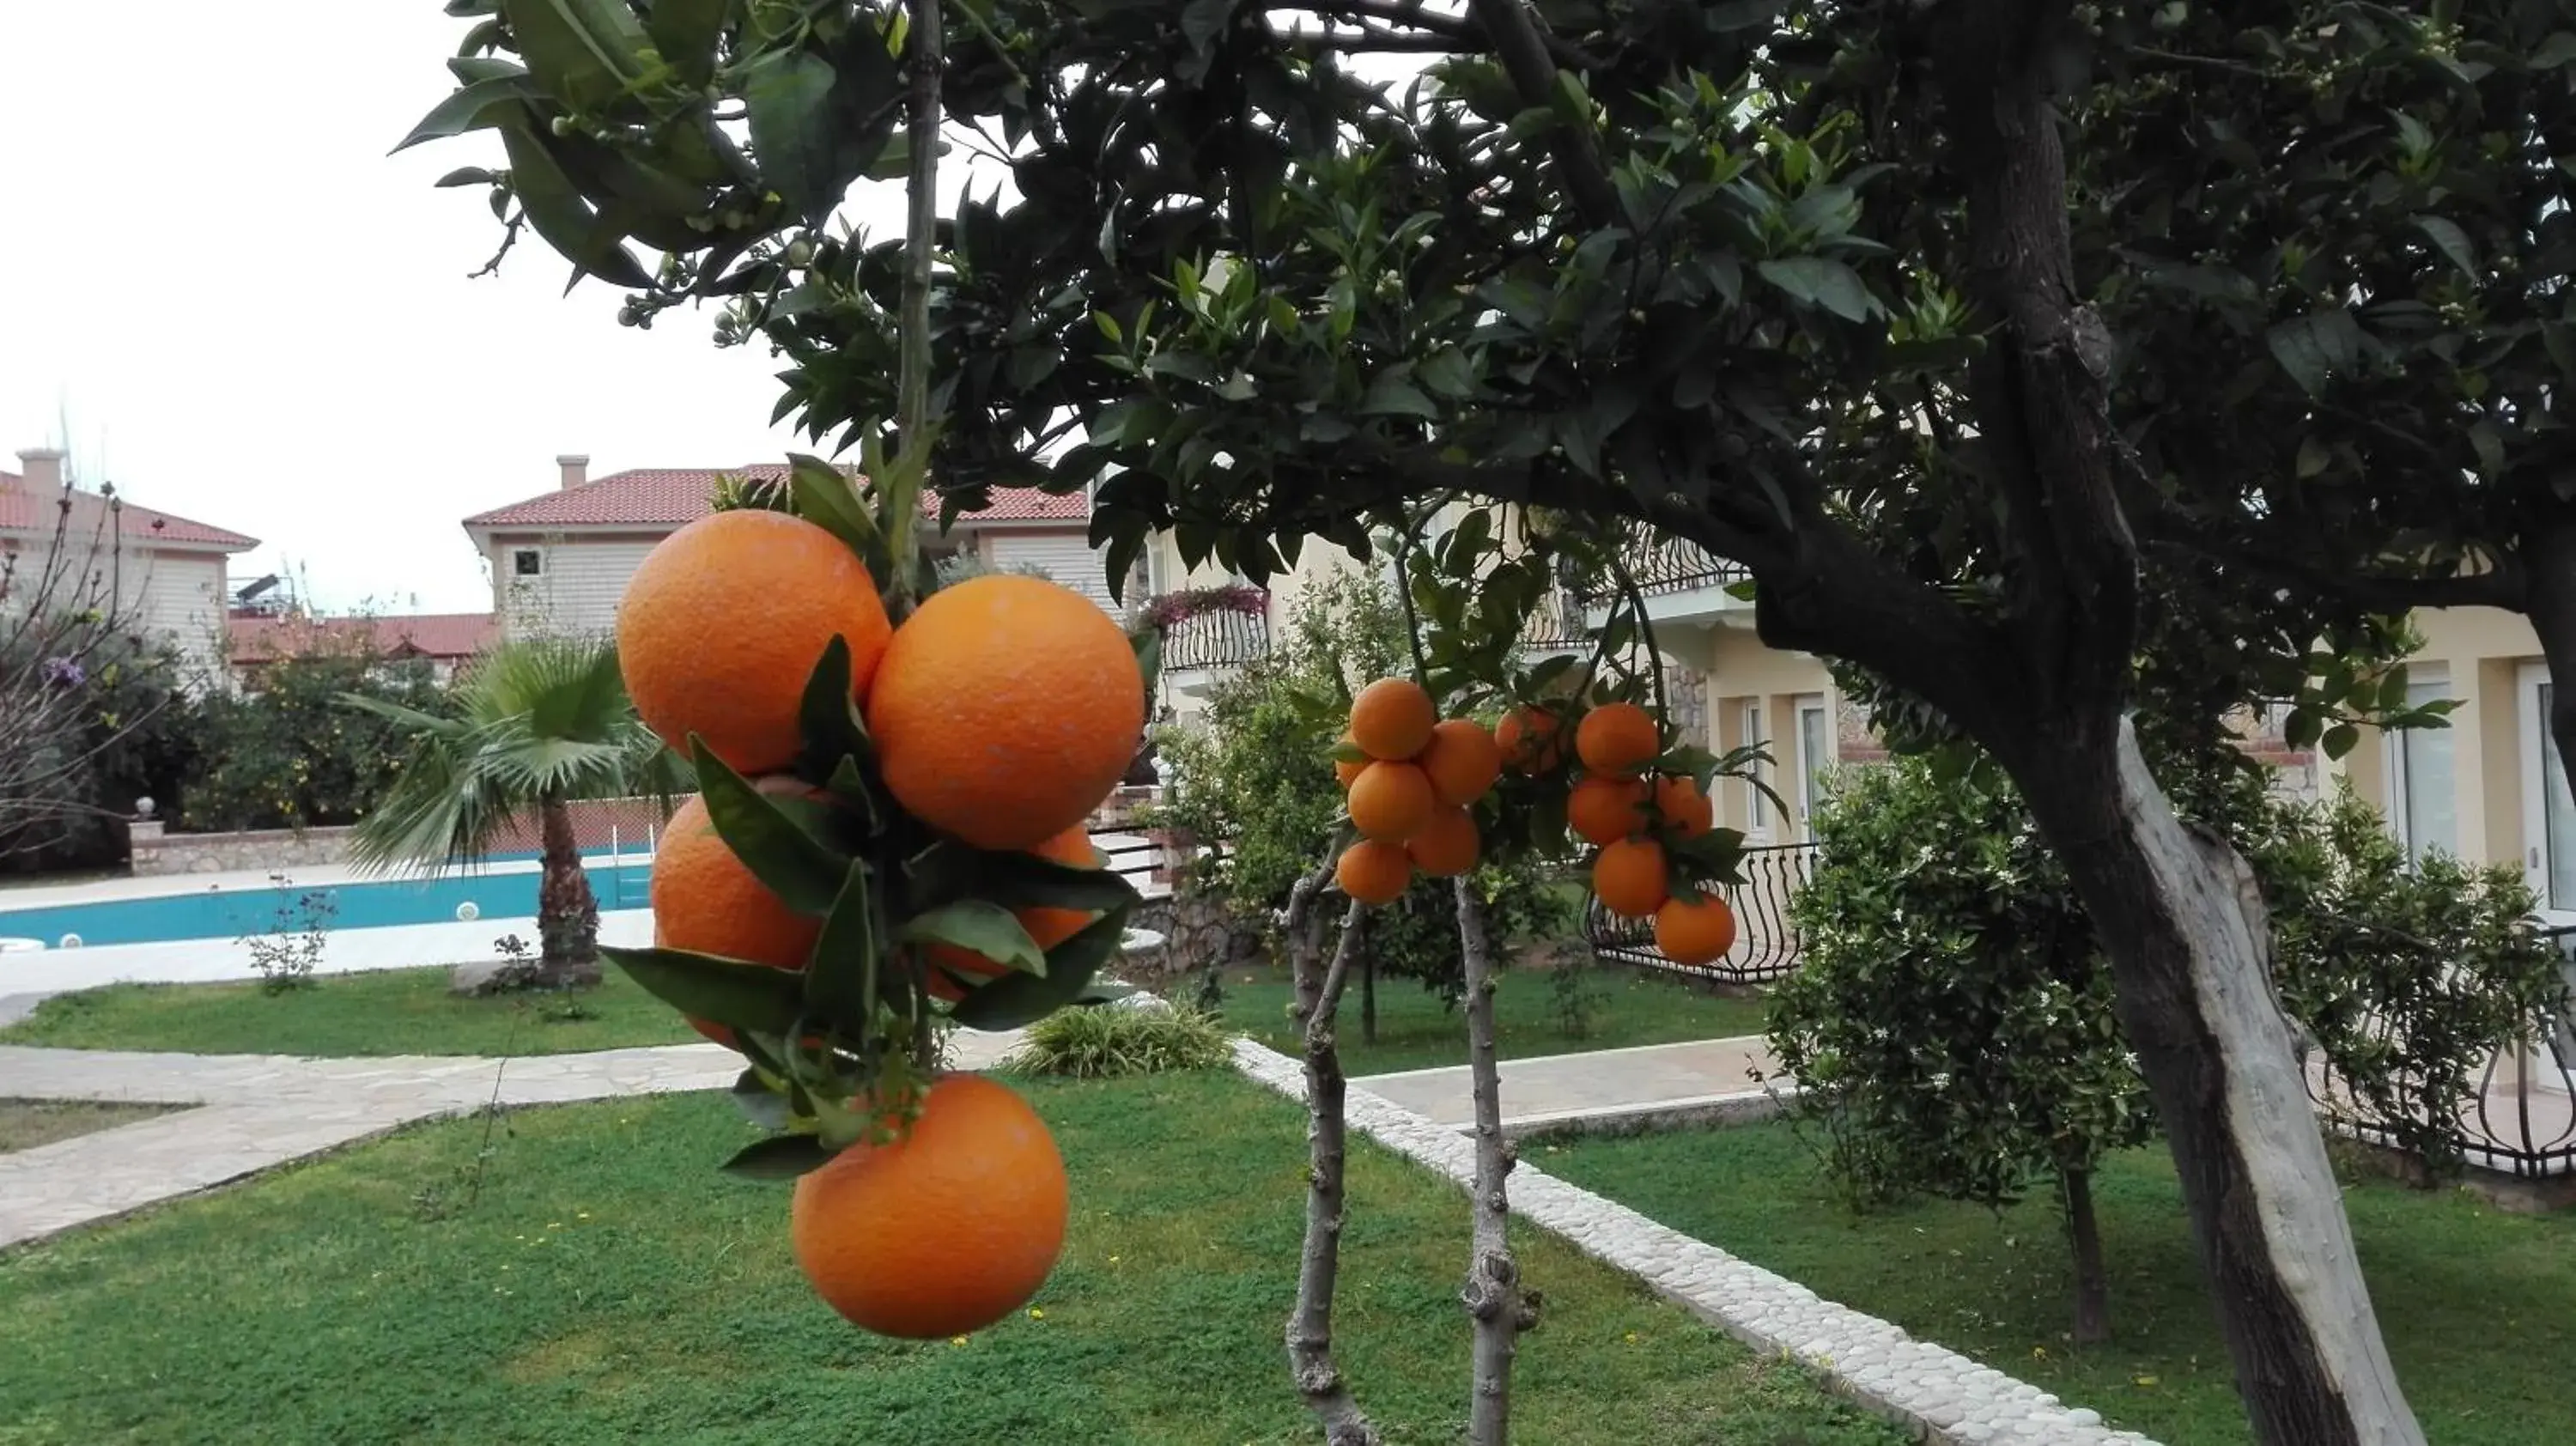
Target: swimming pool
231 913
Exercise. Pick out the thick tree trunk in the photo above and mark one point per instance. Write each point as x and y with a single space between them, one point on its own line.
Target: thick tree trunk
2549 556
2183 925
567 914
2084 1234
1496 1305
1310 1323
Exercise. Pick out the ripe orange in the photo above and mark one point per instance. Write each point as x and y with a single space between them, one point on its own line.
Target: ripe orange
1391 800
1606 810
1005 709
1628 877
1373 871
707 902
1392 718
1683 807
1047 927
1531 740
1463 761
1695 931
1446 846
1616 738
724 621
1344 770
944 1231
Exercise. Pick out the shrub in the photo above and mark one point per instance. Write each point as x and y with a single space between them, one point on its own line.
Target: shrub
137 738
1952 1020
1121 1039
292 756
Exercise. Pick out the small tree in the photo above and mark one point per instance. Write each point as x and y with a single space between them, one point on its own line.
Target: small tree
541 723
1950 1025
288 754
78 676
1953 1027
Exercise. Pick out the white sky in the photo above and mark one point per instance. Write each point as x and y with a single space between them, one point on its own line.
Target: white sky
251 316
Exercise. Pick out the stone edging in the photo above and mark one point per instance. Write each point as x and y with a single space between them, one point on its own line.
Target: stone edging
1928 1388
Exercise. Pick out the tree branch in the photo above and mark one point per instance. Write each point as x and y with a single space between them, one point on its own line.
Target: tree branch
1522 46
1497 1307
1310 1324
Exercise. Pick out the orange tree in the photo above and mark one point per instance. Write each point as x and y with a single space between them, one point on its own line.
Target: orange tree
1789 280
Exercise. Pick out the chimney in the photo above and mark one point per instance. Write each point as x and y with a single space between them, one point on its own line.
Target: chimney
576 469
44 469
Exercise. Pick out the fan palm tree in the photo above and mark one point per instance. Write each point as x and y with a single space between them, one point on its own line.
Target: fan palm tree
540 723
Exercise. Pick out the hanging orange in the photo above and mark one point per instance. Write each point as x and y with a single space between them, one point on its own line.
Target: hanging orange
1463 761
1683 808
1629 878
1391 800
1344 769
1373 871
1606 810
1531 740
1446 846
1392 719
1694 931
1617 738
705 901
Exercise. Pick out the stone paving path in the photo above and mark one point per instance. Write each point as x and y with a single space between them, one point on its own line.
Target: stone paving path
1706 1076
259 1111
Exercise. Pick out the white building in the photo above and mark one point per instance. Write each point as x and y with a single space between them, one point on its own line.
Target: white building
167 573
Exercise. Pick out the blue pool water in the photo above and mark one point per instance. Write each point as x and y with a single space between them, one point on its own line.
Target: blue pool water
232 913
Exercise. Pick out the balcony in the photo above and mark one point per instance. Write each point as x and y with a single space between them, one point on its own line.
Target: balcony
1220 639
1681 583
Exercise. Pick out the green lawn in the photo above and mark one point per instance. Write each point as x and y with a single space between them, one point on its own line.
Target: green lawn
25 1124
1415 1031
400 1011
609 1286
2479 1307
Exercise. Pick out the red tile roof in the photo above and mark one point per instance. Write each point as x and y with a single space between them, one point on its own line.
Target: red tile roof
670 496
257 641
22 511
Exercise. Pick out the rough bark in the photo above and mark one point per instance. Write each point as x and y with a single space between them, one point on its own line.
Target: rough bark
1368 996
1498 1308
567 914
2092 1283
1310 1324
2184 928
2550 602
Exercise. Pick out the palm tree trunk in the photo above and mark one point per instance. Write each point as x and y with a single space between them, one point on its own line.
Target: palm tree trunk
567 914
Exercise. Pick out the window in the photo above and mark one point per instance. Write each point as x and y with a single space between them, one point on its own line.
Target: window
1815 755
527 562
1757 817
2422 789
2548 812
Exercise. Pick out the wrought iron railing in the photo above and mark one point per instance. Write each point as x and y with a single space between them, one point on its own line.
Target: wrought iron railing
1662 564
1217 638
2521 1120
1766 942
1556 625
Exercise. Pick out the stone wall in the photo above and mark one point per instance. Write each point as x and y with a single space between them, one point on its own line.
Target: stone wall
157 853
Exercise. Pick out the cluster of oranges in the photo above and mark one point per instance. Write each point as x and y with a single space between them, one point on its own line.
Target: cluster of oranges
1000 714
1629 813
1410 787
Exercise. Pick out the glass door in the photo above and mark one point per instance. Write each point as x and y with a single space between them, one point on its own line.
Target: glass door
2548 810
1815 755
1757 804
2422 784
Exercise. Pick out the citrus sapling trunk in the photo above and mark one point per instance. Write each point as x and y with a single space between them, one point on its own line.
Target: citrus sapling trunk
1310 1324
1496 1304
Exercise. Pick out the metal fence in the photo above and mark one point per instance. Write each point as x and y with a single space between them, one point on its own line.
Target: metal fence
1766 944
1665 565
2522 1118
1218 638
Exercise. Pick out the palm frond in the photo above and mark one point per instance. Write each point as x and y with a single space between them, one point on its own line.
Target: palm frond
411 718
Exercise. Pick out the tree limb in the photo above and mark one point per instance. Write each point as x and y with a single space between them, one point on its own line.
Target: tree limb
1522 46
1498 1308
1310 1324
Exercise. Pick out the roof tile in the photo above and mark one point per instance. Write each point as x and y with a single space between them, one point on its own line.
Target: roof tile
670 496
430 635
22 511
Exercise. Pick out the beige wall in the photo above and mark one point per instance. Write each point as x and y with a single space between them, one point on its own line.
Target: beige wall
2483 650
576 591
1740 670
178 595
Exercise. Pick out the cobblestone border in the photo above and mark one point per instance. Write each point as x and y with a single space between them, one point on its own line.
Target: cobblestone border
1927 1388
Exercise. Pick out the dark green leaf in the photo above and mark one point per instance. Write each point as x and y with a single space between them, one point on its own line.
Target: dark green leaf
559 213
583 52
685 32
950 870
1149 661
978 928
2339 740
2314 347
780 1157
759 1103
1393 394
804 871
467 176
829 718
842 975
728 991
474 107
1820 282
2452 242
1014 1000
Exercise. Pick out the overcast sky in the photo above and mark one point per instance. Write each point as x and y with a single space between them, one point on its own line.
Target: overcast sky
251 316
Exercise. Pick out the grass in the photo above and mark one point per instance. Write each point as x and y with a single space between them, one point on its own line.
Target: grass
1415 1031
399 1011
25 1124
2474 1302
610 1286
